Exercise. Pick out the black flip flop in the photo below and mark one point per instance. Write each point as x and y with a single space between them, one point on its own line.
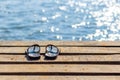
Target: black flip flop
33 52
51 51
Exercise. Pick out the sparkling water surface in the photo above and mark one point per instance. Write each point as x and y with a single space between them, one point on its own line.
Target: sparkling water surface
76 20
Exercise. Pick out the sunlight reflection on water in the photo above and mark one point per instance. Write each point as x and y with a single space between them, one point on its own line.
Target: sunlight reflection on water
79 20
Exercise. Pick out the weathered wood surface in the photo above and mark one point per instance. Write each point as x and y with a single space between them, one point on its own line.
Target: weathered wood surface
60 43
27 77
77 61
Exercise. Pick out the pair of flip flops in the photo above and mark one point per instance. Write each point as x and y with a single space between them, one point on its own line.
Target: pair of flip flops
33 52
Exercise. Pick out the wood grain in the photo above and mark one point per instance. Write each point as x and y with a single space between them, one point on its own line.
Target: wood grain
60 43
102 50
61 58
89 60
66 68
26 77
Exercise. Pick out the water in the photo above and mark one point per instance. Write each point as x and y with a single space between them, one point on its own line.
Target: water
76 20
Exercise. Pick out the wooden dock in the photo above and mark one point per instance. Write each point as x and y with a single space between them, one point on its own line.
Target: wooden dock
77 61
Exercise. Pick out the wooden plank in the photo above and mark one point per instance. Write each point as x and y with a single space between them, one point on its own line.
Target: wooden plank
15 66
61 58
68 50
27 77
60 43
58 69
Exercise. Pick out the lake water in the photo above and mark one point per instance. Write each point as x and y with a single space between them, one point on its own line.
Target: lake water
76 20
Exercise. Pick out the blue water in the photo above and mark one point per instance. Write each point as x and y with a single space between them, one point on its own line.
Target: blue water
76 20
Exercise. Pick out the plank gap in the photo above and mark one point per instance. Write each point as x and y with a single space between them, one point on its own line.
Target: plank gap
59 74
67 62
